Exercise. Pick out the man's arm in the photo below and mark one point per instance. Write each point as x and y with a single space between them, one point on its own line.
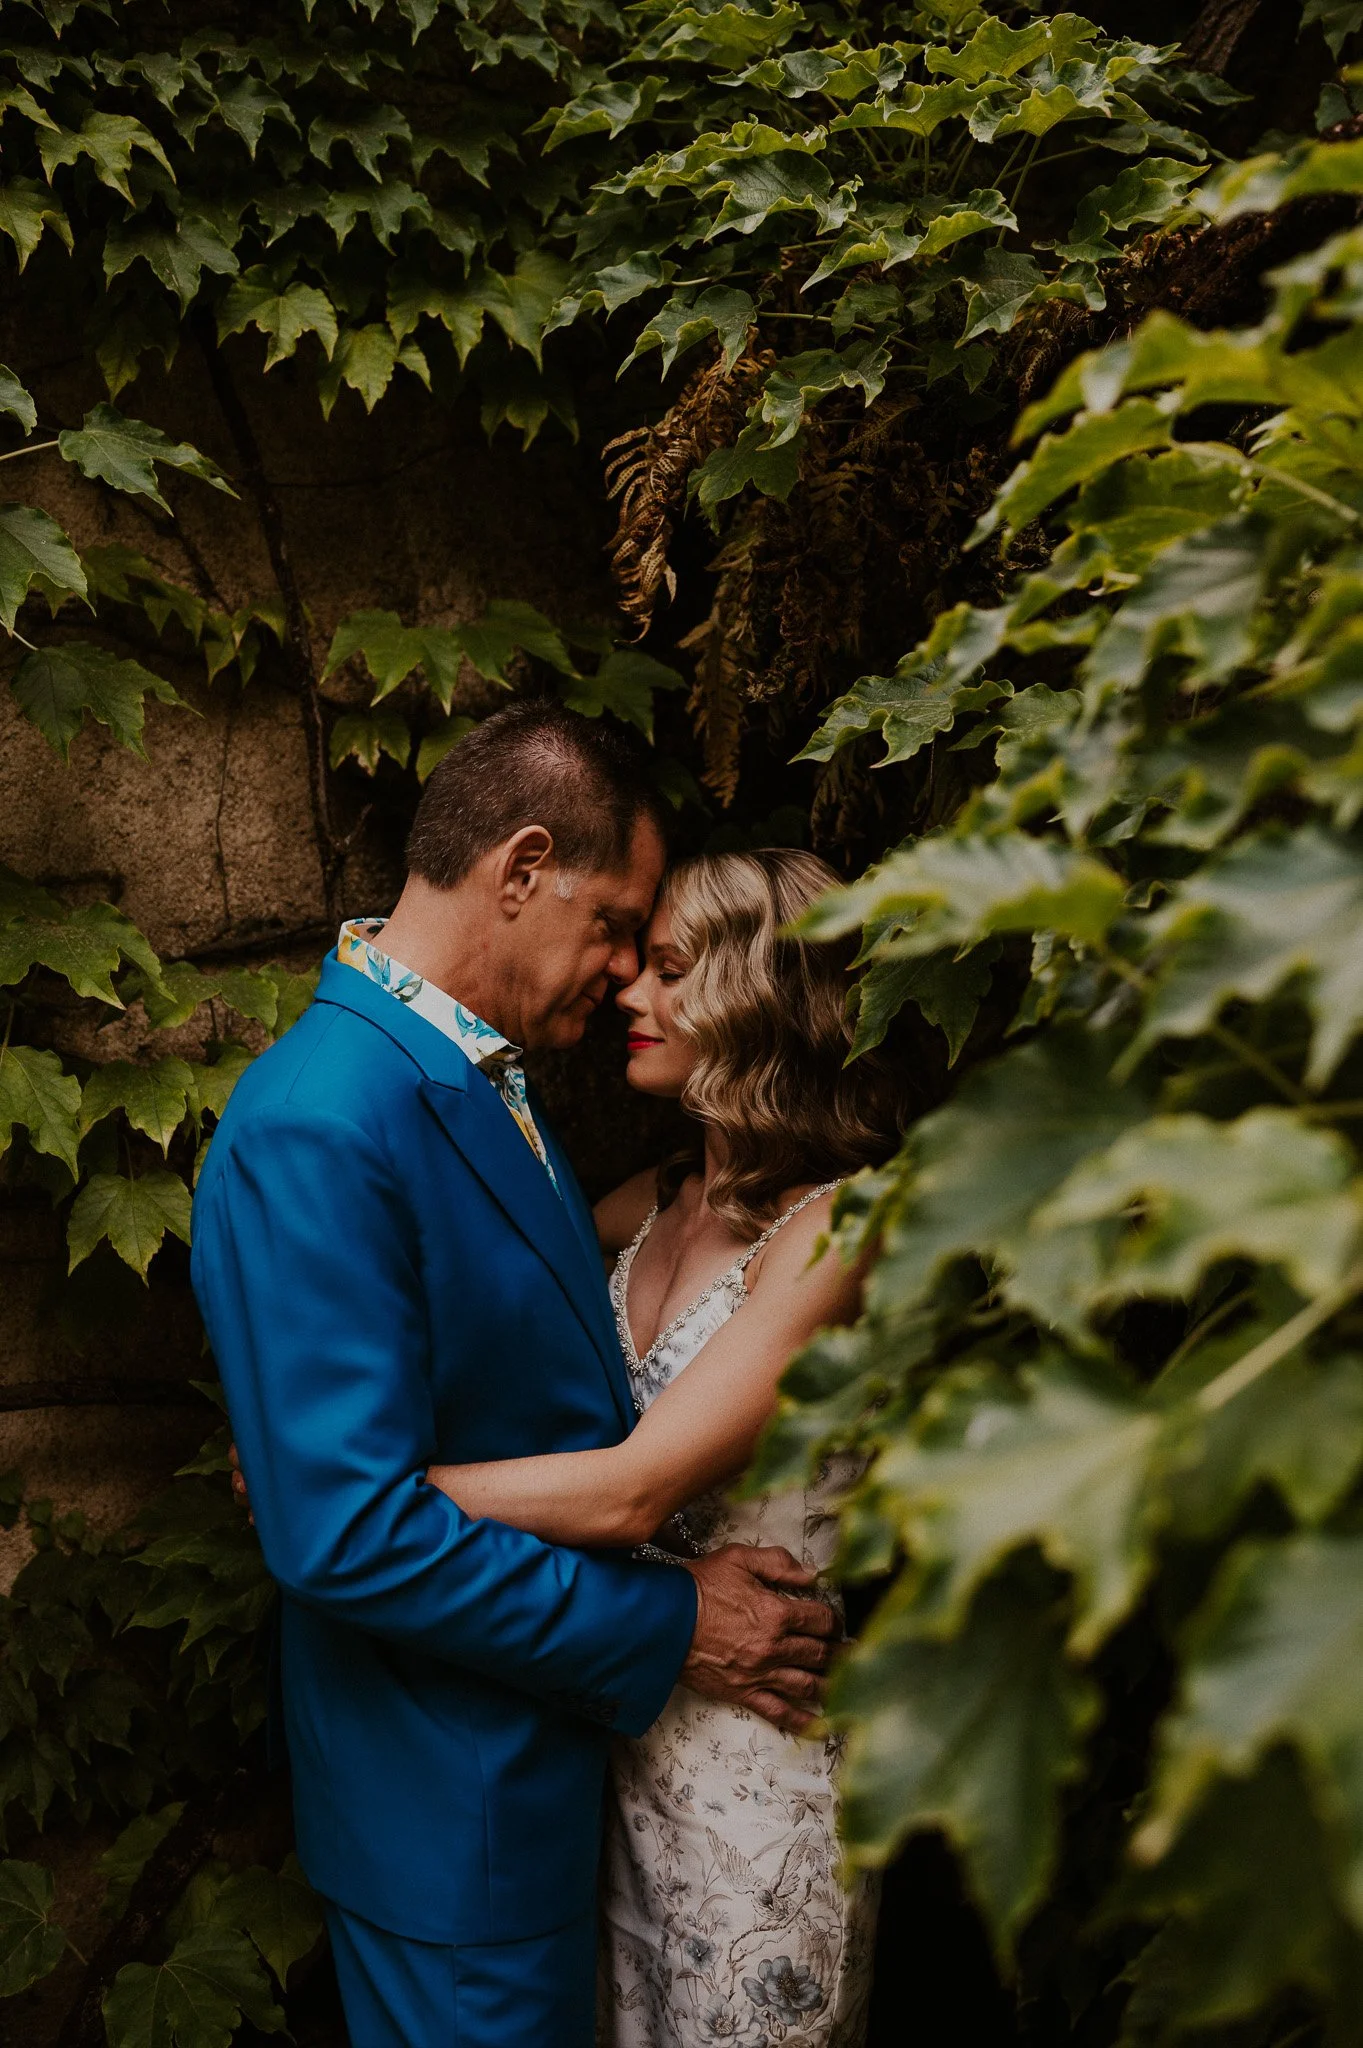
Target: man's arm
315 1310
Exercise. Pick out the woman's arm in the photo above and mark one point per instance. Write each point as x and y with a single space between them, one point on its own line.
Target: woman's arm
698 1433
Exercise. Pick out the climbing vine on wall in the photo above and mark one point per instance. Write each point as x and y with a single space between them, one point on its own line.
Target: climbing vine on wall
823 253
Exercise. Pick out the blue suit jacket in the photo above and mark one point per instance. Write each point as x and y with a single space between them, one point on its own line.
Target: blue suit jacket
388 1279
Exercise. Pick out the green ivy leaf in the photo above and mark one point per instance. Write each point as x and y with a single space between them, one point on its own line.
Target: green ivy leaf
279 1910
684 320
1066 1469
365 359
908 709
977 1736
1298 1427
35 555
947 990
284 313
17 402
998 283
37 1093
1273 1658
625 685
986 1163
391 651
960 890
85 946
1238 1927
1266 1187
1089 449
31 1944
133 1214
437 744
124 1861
365 735
177 255
214 1082
126 454
197 1998
108 140
154 1098
27 209
772 471
56 686
507 626
180 988
1270 909
796 384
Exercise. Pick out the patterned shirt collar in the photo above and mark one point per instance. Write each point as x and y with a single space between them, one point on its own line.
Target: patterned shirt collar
478 1041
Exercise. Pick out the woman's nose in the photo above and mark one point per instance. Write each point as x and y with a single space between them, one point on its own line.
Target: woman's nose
630 998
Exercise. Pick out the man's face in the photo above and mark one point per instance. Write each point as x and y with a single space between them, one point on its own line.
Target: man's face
575 938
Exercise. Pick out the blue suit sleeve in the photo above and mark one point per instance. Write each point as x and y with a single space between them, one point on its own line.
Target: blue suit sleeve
304 1267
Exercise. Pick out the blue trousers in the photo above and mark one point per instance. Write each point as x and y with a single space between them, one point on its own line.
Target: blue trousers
398 1993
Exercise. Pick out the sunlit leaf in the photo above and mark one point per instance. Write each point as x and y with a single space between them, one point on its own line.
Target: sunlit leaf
153 1098
34 555
133 1214
57 686
36 1093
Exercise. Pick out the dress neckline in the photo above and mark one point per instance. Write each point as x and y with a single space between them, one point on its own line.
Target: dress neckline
730 1280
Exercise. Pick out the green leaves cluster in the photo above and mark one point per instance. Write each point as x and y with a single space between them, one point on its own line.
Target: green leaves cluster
1109 1382
131 1676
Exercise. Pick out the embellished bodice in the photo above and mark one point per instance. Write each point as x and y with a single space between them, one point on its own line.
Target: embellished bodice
790 1519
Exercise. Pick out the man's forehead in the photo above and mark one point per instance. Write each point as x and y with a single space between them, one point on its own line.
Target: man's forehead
630 890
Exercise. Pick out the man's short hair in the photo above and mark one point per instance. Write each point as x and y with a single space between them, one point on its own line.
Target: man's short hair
585 780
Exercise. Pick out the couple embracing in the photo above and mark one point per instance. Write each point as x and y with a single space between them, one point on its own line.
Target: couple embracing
491 1486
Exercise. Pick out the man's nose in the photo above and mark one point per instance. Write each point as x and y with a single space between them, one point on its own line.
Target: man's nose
623 965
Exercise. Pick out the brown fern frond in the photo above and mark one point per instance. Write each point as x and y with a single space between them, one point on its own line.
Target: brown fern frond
648 468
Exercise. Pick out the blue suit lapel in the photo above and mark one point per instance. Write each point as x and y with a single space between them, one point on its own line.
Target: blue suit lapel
479 1123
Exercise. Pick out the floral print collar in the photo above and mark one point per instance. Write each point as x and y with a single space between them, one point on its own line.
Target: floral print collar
481 1044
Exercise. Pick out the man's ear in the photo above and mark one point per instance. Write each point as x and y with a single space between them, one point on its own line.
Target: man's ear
522 865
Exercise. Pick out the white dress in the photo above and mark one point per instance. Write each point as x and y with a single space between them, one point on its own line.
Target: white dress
724 1917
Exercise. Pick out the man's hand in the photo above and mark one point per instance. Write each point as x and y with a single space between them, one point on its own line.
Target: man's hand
754 1646
239 1493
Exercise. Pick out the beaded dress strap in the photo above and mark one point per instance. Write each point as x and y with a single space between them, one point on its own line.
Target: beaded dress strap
742 1264
730 1278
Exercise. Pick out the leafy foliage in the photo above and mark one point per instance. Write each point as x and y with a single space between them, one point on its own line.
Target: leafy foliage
1125 769
1107 1382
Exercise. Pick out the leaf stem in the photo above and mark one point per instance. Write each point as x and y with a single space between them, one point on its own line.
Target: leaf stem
33 448
1202 1329
1234 458
1280 1344
1247 1054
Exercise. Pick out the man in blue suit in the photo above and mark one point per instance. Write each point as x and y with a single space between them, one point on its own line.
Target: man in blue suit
396 1267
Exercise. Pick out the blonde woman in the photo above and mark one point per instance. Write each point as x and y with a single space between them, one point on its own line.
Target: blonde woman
724 1917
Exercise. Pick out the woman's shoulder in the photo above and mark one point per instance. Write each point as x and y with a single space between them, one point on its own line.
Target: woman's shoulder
619 1214
804 1214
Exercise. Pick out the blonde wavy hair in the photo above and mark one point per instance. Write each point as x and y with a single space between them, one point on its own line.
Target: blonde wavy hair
767 1015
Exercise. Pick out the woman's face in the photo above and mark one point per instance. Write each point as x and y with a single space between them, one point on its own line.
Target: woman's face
660 1056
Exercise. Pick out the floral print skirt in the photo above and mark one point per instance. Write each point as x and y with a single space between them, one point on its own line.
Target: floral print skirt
724 1917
